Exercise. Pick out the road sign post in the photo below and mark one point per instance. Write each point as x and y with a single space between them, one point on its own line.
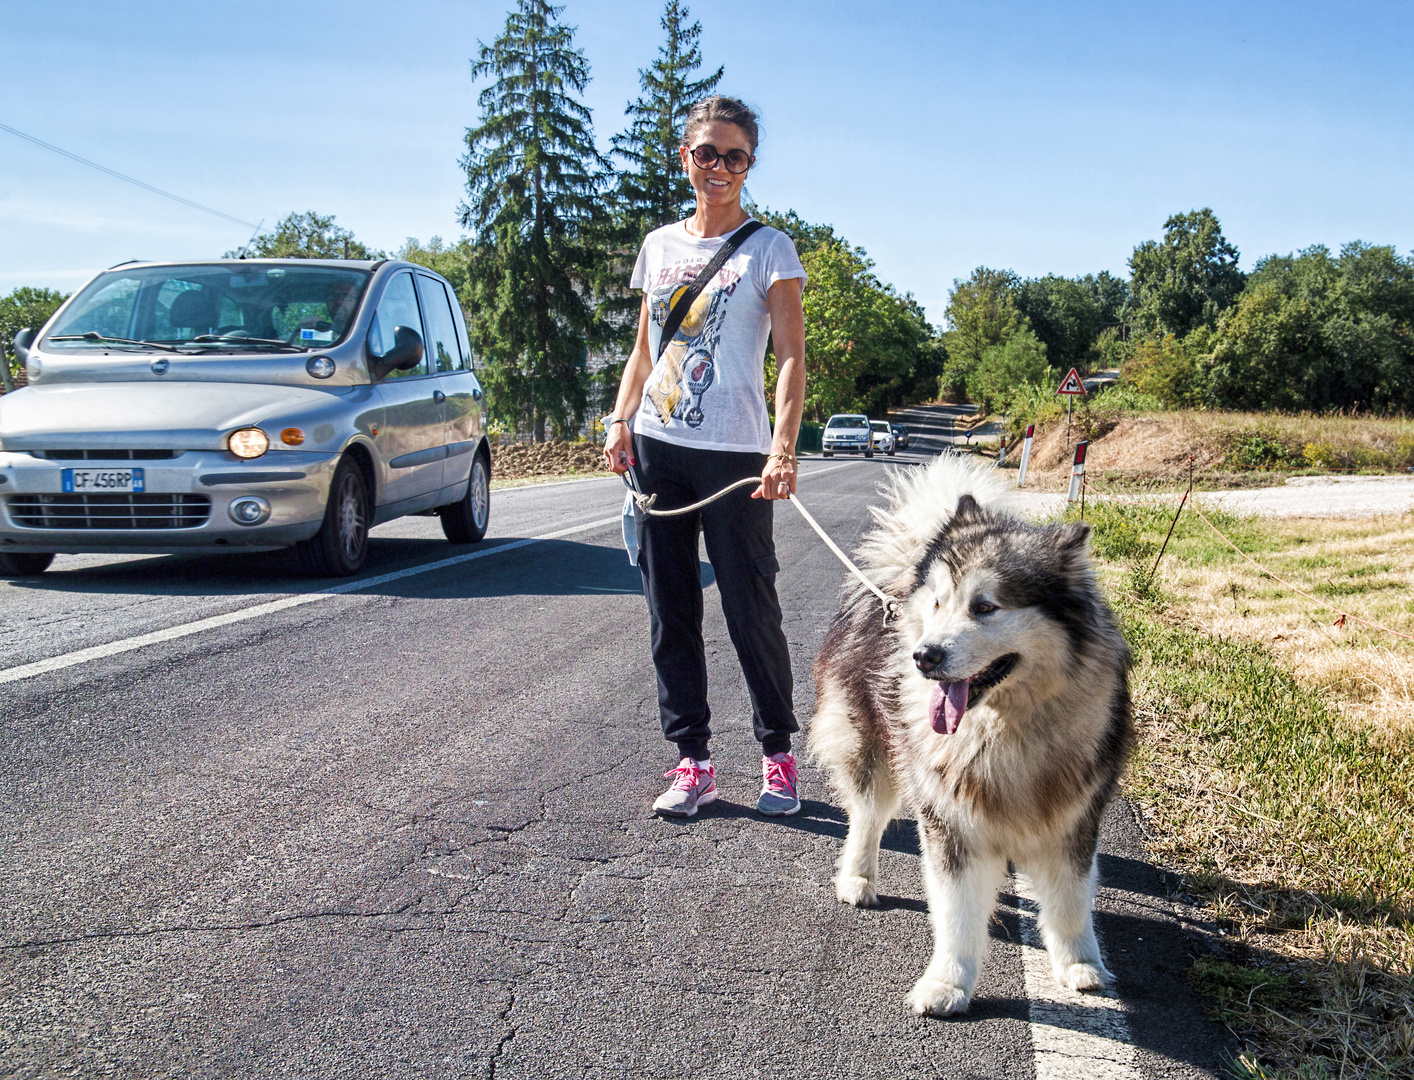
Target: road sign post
1071 385
1025 454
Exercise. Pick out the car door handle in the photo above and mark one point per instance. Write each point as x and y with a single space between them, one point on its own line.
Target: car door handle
438 396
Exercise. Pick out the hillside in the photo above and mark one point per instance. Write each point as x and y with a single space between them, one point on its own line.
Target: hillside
1224 449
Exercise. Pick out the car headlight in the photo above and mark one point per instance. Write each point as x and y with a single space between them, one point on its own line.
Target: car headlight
248 442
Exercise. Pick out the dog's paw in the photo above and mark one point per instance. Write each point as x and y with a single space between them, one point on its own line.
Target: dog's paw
936 997
855 890
1083 977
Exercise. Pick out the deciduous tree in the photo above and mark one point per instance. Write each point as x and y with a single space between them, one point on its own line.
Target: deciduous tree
1186 280
306 236
981 312
24 307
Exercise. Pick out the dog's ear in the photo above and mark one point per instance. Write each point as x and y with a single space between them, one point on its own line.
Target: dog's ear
1073 537
967 509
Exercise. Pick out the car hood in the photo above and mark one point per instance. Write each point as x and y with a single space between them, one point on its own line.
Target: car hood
178 416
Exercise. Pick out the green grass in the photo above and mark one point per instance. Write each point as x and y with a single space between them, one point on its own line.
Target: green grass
1292 825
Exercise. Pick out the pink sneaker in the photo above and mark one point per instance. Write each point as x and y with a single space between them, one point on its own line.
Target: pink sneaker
778 791
692 786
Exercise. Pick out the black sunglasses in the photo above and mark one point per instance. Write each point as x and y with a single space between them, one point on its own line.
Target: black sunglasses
736 161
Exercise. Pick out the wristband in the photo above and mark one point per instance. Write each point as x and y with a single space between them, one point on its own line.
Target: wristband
785 457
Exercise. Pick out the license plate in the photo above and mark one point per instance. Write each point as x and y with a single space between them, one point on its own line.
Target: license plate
101 481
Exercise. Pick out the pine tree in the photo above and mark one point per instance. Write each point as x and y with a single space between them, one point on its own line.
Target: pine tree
655 191
533 177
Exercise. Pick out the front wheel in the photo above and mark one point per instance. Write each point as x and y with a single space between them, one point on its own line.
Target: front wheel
869 452
465 521
827 453
340 546
24 564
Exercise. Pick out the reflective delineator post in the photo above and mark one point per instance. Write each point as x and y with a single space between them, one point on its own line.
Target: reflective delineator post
1025 454
1001 451
1077 472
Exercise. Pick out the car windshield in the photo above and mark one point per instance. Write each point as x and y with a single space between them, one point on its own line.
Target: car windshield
879 425
240 306
847 422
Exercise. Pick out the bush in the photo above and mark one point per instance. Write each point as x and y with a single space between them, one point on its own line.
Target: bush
1260 450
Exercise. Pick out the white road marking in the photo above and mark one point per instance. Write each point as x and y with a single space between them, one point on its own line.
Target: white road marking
171 633
1074 1036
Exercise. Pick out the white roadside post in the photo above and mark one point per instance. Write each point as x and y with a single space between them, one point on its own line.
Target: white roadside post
1025 455
1001 450
1077 473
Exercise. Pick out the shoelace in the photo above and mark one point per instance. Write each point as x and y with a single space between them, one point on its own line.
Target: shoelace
687 776
781 774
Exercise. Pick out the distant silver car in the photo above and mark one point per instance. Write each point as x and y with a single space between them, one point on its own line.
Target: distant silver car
243 405
847 433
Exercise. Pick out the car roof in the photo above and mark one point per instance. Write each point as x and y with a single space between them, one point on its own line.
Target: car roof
351 264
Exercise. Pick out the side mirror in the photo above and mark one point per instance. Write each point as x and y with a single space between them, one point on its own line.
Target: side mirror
405 354
23 340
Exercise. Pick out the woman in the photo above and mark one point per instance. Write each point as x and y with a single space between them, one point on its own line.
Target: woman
692 420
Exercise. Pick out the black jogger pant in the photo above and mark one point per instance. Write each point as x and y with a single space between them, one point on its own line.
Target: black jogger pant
737 531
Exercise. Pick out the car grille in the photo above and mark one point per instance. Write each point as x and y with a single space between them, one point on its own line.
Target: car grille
106 455
109 511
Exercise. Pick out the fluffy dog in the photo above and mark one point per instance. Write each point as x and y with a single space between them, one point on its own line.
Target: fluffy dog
995 707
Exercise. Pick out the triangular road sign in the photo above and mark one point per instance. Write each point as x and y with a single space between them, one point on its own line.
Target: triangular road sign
1071 384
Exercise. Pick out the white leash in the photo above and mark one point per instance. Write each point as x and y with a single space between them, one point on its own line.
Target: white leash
645 504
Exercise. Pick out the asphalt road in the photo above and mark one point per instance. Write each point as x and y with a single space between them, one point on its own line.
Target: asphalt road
404 831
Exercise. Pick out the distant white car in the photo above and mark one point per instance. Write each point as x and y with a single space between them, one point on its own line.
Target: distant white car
848 433
883 436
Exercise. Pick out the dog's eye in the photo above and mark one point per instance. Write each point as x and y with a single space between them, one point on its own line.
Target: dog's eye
936 604
981 607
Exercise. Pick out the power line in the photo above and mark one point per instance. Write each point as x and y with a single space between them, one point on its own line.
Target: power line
129 179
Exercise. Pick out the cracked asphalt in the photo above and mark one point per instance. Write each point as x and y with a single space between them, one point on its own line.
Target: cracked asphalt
405 832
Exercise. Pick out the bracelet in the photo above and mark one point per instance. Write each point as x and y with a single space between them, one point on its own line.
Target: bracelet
785 457
615 420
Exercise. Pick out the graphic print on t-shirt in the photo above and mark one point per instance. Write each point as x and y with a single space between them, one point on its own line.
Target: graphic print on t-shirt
686 369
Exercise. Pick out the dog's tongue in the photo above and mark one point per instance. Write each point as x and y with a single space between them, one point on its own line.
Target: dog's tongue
948 704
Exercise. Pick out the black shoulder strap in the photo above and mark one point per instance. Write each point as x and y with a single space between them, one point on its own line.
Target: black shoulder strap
706 274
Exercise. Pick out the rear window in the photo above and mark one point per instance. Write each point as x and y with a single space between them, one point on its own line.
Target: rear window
847 422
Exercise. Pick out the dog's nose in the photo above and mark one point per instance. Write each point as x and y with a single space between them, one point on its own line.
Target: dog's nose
928 657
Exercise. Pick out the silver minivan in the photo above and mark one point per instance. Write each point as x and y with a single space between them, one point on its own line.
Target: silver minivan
243 405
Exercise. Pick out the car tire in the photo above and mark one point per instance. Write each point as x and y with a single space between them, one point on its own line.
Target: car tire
465 521
869 452
340 546
892 453
827 453
24 564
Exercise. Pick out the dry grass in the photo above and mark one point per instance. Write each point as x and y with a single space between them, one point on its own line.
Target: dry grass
1225 448
1275 767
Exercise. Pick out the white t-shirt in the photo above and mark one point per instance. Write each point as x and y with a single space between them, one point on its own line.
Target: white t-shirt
708 389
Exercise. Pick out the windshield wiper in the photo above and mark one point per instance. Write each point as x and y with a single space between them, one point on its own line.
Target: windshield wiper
241 339
100 339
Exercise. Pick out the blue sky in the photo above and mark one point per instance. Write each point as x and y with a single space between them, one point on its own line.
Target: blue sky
1044 137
